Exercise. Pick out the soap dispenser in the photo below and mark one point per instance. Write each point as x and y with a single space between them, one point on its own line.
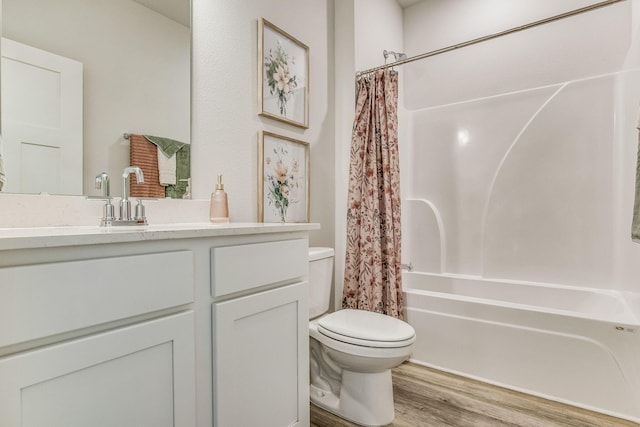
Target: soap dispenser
219 210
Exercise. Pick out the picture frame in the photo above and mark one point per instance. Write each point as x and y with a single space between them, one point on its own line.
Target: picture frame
283 179
283 76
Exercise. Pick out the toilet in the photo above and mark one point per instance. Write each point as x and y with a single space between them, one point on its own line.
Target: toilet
351 352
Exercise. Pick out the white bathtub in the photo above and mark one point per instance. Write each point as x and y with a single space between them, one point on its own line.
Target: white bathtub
575 345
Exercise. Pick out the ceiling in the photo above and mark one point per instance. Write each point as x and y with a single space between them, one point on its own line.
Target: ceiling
177 10
406 3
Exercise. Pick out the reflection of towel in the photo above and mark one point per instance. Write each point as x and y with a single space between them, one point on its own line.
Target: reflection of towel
3 176
144 154
183 171
167 148
635 224
166 168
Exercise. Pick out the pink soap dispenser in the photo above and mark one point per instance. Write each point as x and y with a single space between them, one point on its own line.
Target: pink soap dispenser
219 210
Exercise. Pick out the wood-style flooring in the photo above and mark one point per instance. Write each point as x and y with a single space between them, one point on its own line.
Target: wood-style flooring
431 398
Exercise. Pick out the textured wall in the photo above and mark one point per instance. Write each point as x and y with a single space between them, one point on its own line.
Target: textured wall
225 119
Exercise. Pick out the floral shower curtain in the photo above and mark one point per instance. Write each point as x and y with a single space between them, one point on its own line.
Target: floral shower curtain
373 279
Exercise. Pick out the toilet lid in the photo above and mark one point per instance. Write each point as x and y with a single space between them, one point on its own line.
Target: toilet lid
366 328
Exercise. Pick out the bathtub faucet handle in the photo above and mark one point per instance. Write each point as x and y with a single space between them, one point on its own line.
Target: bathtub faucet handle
408 267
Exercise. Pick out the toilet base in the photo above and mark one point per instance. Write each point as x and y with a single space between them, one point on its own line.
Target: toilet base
365 398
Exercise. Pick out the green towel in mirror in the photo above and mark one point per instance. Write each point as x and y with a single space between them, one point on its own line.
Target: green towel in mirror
167 145
183 171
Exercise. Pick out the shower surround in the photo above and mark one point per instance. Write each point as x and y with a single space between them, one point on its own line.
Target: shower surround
517 202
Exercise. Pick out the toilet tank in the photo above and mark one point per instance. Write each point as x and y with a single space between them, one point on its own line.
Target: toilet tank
320 279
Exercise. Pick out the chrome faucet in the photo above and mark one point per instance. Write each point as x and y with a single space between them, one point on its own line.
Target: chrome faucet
108 211
125 203
408 267
102 182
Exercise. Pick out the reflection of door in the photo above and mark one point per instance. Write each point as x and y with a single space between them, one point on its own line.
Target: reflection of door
41 120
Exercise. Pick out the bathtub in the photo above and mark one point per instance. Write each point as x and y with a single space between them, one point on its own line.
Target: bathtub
575 345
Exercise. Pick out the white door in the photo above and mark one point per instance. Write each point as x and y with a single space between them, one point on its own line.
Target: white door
41 120
140 375
261 359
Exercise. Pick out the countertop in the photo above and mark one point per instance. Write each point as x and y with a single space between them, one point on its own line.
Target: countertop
44 237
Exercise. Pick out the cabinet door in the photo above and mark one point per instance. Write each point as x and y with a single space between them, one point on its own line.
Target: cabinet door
261 359
141 375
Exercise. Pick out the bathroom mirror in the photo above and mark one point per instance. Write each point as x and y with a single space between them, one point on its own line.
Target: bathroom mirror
134 58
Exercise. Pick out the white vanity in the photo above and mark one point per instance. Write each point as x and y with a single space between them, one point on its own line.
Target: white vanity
176 325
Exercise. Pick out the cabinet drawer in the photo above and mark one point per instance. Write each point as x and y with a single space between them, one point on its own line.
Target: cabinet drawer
46 299
240 268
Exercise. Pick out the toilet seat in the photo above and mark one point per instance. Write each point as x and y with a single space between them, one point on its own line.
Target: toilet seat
365 328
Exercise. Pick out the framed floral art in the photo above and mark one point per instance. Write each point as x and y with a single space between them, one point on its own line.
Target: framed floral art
283 76
283 179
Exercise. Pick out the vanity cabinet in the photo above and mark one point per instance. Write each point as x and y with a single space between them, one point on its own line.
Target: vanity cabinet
261 337
93 348
185 326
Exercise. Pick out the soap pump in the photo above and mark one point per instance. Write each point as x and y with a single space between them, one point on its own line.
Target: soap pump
219 210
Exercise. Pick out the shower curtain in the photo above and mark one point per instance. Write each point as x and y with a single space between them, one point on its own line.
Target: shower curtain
373 279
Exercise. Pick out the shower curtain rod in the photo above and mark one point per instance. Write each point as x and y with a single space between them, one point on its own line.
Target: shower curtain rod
490 36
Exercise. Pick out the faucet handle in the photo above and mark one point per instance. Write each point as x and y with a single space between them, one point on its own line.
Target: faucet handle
108 210
139 215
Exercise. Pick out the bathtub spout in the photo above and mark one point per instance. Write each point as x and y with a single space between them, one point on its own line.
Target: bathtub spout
408 267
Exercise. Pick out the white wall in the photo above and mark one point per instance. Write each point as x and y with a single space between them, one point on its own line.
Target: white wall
522 148
129 53
345 68
225 119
